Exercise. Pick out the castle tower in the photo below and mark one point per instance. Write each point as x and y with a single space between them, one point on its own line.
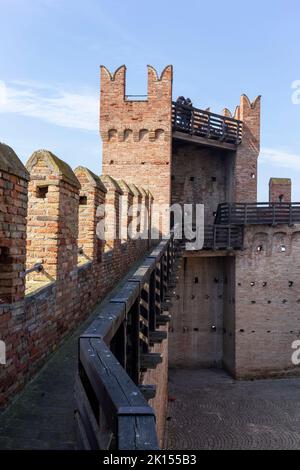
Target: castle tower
245 171
137 135
280 190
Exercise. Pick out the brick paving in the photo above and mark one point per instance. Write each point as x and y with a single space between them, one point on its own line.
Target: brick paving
212 411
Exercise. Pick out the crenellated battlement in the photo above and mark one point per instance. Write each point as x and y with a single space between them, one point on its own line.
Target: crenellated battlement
75 227
137 134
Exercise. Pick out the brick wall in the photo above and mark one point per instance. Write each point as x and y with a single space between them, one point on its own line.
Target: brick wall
137 134
159 377
245 169
62 216
267 302
201 175
13 209
280 190
196 328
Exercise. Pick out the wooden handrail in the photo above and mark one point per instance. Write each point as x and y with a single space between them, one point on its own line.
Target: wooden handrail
203 123
112 412
267 213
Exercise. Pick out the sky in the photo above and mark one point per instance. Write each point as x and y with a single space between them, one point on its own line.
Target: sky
51 50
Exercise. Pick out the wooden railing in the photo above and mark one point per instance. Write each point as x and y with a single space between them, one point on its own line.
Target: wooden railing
223 237
202 123
112 409
220 237
269 213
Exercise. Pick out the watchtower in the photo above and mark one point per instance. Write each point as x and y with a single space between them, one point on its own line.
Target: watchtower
137 134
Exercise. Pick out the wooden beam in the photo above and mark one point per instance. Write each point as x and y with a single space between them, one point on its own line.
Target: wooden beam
149 391
182 136
150 360
208 253
157 336
162 319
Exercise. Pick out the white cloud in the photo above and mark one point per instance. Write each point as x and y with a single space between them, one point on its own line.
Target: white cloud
74 109
2 94
280 158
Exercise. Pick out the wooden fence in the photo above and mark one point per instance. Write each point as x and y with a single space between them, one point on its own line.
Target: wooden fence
202 123
112 409
267 213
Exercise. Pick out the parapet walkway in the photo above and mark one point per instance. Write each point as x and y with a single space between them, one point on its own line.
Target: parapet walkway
209 410
42 417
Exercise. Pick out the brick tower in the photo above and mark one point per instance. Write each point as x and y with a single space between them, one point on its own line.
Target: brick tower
137 135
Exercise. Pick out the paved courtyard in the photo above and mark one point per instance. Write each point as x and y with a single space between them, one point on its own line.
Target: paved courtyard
209 410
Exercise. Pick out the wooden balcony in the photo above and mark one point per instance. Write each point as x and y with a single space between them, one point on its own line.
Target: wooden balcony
205 128
265 213
220 237
223 237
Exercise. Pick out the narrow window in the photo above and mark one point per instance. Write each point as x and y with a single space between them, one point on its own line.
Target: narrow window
83 200
4 254
42 191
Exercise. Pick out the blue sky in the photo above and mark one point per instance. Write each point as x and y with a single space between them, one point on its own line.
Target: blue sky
51 50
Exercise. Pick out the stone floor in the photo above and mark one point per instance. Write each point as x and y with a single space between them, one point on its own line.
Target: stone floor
42 417
209 410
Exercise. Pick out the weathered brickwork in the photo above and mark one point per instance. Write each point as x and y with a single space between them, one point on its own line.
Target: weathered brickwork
200 176
198 312
238 310
245 170
267 302
91 196
280 190
78 268
13 209
137 135
233 309
159 377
